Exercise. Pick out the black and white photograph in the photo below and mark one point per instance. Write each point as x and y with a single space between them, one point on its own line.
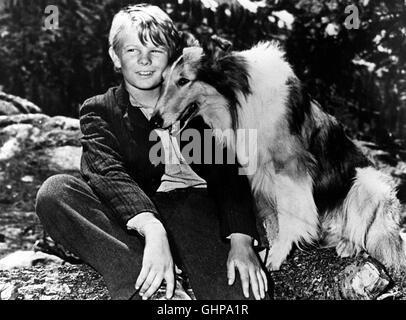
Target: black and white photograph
203 150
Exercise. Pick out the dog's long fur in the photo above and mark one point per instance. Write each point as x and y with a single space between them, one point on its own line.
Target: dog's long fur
312 183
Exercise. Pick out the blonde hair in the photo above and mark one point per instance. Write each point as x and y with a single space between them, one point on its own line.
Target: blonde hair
152 24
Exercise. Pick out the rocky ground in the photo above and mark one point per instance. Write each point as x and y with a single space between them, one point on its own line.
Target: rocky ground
34 146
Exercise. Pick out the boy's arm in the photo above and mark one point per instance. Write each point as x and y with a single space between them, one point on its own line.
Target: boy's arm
238 223
144 222
234 196
103 168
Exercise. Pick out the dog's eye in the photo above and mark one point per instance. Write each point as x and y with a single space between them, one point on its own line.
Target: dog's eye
183 81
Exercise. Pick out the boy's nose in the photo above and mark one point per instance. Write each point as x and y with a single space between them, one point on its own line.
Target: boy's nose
144 59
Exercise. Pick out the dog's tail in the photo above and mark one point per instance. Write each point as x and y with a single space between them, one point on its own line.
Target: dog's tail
372 219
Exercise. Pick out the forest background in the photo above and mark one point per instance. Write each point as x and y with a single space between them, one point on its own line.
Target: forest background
356 69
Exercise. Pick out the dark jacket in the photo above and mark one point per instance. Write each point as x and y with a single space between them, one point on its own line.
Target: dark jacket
115 162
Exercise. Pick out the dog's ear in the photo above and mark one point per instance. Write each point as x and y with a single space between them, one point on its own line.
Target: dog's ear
222 44
192 57
192 54
186 39
218 47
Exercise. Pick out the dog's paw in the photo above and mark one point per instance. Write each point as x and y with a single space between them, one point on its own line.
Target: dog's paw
272 267
274 261
346 249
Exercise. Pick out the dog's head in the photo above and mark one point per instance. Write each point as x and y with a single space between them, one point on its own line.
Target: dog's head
202 83
180 93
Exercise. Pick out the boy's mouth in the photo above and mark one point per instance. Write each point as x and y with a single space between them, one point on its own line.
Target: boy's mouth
145 73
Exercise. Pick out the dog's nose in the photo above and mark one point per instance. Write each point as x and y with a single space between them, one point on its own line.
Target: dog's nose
157 121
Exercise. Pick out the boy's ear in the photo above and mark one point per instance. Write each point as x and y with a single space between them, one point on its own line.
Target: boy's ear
166 71
114 57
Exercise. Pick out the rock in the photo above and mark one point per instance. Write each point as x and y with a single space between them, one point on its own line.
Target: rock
15 134
32 148
10 104
54 141
7 108
34 119
56 282
24 259
394 293
182 291
64 158
32 281
20 229
63 123
47 245
13 232
39 130
364 280
179 294
8 291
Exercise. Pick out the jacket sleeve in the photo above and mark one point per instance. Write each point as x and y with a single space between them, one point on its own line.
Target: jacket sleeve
233 195
103 168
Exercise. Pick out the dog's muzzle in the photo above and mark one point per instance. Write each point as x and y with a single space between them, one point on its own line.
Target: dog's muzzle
188 114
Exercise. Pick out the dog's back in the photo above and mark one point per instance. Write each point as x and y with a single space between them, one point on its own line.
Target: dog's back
357 206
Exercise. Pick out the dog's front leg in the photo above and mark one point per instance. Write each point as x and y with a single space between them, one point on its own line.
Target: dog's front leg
268 224
297 216
267 218
286 212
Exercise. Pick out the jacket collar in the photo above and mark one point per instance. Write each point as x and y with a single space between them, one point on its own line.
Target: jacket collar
131 113
122 97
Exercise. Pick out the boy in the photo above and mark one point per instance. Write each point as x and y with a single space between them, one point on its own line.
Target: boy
130 219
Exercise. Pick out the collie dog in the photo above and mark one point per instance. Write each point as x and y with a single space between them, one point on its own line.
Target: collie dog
312 183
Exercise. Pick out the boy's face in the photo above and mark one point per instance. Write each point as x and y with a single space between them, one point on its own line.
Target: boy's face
141 66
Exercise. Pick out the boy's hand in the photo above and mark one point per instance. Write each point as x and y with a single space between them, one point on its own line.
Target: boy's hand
243 257
157 263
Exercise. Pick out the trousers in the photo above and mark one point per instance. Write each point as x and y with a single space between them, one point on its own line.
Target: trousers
76 218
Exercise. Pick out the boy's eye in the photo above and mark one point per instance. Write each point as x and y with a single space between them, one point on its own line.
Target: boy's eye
183 81
156 51
132 50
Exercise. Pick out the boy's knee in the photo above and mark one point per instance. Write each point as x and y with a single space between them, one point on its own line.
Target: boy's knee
52 191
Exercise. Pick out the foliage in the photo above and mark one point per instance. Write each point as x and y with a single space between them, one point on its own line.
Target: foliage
57 69
356 74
